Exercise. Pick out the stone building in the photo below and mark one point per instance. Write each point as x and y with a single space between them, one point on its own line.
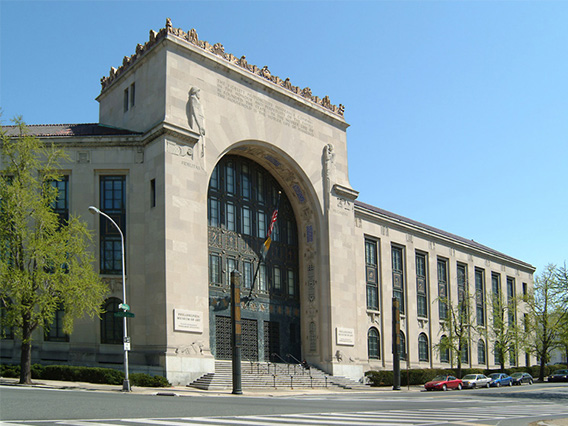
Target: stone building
194 151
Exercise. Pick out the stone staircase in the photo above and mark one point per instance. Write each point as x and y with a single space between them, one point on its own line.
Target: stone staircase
273 375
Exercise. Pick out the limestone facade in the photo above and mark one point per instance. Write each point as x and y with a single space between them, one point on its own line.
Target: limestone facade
168 116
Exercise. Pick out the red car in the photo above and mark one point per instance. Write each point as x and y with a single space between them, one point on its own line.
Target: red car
443 383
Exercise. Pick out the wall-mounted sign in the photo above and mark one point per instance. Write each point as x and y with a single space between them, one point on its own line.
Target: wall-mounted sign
345 336
188 321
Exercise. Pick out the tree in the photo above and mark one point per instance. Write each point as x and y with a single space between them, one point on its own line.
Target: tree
458 326
45 262
546 303
504 328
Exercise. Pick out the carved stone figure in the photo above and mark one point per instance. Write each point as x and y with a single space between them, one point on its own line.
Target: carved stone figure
243 62
329 164
192 36
197 118
219 49
265 72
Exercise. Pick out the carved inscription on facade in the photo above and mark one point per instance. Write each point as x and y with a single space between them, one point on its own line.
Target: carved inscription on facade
270 110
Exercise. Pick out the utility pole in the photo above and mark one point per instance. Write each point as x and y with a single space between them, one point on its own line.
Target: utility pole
395 344
236 330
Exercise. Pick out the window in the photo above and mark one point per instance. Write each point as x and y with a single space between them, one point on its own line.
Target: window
402 346
525 289
465 353
231 266
230 178
213 212
462 282
421 285
61 204
247 274
444 349
246 224
443 288
125 100
112 328
373 344
480 296
496 289
481 351
497 351
277 278
398 276
132 94
423 352
230 216
113 203
512 356
153 193
371 272
511 301
261 220
54 333
262 286
291 283
214 269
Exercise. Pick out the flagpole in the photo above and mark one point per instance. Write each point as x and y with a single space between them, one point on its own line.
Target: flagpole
266 245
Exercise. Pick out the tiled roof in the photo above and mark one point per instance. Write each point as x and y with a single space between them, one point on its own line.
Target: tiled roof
471 243
85 129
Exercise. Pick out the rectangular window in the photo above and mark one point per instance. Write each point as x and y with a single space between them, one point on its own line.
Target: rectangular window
261 220
371 273
480 296
496 291
247 274
125 100
277 278
398 275
230 216
290 234
511 290
132 94
61 204
230 178
443 288
421 285
291 283
214 182
55 332
214 269
231 266
113 203
262 278
462 282
153 193
525 289
246 225
214 218
245 181
259 187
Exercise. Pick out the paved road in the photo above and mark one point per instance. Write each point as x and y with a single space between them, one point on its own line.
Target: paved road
510 406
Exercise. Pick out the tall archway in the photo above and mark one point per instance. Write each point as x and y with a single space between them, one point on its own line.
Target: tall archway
242 197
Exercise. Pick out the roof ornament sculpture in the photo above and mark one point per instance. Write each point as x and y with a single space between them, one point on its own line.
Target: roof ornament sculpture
218 50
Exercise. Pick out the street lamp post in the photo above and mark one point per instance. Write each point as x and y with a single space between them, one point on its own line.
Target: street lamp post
126 343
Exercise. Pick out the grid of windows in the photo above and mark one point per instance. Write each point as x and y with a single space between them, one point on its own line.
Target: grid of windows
423 351
398 276
113 203
421 285
373 344
443 288
371 273
480 296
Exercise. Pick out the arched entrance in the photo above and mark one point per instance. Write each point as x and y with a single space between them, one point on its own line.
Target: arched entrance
242 197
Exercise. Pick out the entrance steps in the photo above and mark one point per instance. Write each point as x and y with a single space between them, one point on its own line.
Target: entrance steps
273 375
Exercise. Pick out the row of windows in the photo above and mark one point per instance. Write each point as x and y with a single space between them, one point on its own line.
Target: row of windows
374 349
372 278
111 326
267 277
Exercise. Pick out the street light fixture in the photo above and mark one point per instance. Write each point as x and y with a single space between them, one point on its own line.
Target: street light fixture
126 342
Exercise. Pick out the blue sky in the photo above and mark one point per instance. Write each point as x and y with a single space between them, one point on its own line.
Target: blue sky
458 109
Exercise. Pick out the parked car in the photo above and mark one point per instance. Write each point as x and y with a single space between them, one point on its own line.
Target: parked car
500 379
444 383
520 378
476 381
559 376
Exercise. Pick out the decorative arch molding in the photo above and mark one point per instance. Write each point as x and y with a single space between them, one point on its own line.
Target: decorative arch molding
309 214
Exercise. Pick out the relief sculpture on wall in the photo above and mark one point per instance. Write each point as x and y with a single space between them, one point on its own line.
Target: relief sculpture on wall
196 116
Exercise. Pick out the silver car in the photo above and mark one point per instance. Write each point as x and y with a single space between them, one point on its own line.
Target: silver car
476 381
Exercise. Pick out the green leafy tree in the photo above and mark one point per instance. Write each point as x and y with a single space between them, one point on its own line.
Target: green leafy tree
547 306
504 329
457 328
45 263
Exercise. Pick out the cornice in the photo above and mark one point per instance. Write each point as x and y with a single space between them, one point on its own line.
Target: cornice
218 50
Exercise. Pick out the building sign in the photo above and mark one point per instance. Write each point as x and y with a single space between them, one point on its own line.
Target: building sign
345 336
188 321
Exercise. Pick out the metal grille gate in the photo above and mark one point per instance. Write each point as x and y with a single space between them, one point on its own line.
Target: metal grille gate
223 348
271 339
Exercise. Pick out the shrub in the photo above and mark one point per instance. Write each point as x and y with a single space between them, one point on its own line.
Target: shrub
145 380
9 370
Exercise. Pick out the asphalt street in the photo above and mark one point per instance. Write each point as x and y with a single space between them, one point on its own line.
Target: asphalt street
69 404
